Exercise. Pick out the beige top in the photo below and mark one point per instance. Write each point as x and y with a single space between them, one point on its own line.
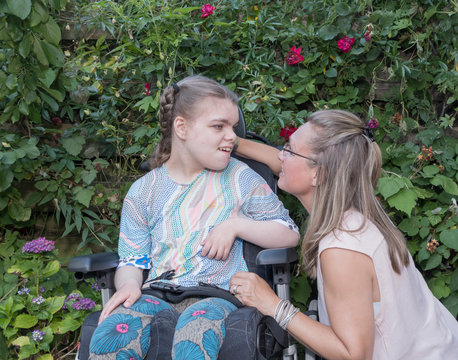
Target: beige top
411 323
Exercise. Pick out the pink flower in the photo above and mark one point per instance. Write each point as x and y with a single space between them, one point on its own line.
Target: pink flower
287 131
294 56
345 44
367 36
372 123
207 10
147 88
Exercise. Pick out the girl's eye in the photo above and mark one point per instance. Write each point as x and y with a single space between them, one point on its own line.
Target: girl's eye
219 127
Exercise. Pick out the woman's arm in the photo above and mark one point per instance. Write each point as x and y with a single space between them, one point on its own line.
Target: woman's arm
260 152
348 282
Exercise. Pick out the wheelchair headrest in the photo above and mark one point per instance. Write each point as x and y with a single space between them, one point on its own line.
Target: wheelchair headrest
240 129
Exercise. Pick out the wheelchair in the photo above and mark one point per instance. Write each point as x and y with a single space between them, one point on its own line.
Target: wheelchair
274 265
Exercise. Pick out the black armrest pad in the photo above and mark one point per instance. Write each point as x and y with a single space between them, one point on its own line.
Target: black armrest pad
277 256
93 262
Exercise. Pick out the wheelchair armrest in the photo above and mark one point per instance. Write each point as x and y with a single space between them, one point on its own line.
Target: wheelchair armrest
93 262
277 256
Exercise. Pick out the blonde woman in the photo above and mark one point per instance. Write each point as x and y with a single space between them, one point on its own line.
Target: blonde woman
373 302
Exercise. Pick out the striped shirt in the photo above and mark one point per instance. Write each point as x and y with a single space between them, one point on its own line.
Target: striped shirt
163 223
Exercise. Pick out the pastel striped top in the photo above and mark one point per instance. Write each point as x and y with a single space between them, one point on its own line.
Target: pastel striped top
163 223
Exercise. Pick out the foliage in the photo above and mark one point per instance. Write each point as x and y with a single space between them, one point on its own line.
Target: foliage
38 317
79 116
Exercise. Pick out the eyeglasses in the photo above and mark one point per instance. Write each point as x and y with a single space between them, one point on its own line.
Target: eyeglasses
287 149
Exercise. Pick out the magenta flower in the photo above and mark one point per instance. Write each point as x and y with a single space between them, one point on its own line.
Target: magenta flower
147 88
367 36
207 10
372 123
287 131
38 245
345 44
294 56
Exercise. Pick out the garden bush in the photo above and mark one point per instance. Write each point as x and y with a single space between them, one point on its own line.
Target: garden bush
80 83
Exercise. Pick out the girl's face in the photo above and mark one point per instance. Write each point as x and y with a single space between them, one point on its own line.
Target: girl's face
210 135
298 175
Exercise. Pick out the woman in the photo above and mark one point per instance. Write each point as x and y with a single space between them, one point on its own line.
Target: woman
373 302
184 221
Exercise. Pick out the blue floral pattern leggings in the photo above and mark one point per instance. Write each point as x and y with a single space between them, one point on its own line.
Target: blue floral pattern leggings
154 329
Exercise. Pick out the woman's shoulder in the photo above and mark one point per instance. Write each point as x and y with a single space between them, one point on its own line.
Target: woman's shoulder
147 182
355 233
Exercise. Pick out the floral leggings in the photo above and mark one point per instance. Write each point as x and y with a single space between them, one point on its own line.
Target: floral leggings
154 329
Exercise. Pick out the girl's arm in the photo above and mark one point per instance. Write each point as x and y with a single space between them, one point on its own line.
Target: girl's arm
267 234
348 278
260 152
128 283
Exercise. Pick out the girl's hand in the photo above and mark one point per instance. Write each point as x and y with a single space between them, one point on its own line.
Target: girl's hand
219 240
127 295
252 290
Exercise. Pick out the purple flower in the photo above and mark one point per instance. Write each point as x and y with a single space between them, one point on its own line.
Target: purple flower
38 245
372 123
38 300
83 304
345 44
95 286
37 335
24 291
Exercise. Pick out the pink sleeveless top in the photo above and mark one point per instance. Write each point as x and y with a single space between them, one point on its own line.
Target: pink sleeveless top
411 323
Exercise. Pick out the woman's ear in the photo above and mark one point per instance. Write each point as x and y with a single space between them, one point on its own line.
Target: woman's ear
180 127
315 176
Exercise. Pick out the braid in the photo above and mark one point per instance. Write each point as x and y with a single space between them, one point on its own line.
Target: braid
166 116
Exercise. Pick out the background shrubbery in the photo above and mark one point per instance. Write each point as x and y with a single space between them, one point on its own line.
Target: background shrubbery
79 89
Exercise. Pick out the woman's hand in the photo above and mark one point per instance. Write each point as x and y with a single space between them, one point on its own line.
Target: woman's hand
252 290
219 240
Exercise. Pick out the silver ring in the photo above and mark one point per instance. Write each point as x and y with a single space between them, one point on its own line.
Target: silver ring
234 289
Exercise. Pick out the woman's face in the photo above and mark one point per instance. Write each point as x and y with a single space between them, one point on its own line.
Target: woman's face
298 173
210 135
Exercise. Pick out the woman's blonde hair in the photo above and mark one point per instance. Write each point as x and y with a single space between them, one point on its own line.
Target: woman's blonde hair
348 168
180 99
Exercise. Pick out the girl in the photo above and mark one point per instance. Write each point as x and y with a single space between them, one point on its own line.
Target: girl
373 302
185 219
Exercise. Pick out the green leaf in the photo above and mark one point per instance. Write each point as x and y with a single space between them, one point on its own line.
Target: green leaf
454 281
54 55
51 268
25 321
6 178
65 325
409 226
331 73
430 170
388 186
447 184
146 103
328 32
20 8
83 196
404 200
450 238
51 31
48 77
451 303
25 45
49 100
39 53
18 212
439 288
73 145
54 304
433 262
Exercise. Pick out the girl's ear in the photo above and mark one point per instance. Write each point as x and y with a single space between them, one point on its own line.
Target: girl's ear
180 127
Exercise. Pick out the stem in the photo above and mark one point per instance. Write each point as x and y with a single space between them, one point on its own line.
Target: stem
38 275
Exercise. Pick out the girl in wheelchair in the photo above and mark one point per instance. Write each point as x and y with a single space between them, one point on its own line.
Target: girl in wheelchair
186 218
